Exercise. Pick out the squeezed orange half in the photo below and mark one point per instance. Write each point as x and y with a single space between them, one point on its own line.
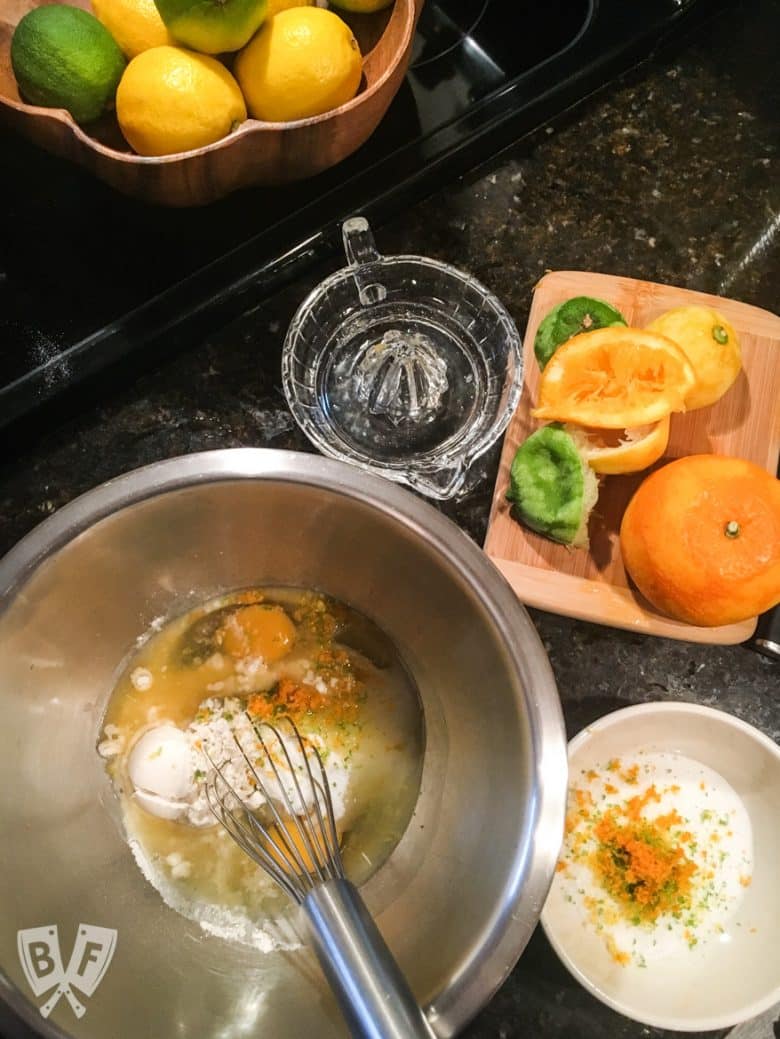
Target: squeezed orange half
615 378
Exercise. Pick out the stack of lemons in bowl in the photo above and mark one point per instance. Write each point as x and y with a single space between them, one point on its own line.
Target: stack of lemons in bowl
183 74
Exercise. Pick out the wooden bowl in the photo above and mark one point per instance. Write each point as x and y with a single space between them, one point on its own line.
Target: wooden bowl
255 153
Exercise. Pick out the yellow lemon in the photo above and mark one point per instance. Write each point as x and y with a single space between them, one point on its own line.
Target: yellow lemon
172 100
275 6
361 6
711 346
611 451
136 25
302 62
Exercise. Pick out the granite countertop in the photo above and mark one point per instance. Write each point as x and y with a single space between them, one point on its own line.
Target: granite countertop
669 175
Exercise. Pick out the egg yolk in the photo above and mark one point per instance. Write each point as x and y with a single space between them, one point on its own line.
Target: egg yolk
258 631
295 839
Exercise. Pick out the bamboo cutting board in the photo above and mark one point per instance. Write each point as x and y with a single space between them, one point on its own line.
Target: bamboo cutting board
592 585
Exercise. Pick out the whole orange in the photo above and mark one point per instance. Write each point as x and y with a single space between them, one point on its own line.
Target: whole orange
701 539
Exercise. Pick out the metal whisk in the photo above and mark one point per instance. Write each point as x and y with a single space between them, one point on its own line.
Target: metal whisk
373 994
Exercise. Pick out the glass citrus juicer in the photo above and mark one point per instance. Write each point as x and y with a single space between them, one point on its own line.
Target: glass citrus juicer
402 365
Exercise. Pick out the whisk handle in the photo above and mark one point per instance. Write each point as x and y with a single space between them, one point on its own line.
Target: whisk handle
373 994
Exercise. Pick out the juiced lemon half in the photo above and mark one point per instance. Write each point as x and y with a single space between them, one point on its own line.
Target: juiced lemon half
612 451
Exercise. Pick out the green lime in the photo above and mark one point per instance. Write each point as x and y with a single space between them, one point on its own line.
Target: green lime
63 57
213 26
580 314
552 488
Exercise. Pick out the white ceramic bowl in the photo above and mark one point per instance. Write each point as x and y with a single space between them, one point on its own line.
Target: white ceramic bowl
723 981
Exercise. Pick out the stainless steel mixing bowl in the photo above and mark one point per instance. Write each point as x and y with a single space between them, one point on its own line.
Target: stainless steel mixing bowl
461 893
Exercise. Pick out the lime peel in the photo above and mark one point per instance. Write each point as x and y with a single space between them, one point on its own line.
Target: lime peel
570 318
552 488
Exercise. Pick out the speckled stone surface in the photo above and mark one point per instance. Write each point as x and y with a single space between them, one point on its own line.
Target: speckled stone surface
669 175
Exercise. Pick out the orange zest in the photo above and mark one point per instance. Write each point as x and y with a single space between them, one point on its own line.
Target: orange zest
288 698
636 804
302 701
640 865
618 955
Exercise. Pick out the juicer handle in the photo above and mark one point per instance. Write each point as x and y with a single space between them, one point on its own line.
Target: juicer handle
372 993
361 252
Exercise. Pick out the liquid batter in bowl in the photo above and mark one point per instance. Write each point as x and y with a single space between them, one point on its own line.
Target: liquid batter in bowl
205 677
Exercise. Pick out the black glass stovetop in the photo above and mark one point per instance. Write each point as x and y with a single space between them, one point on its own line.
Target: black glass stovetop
89 278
